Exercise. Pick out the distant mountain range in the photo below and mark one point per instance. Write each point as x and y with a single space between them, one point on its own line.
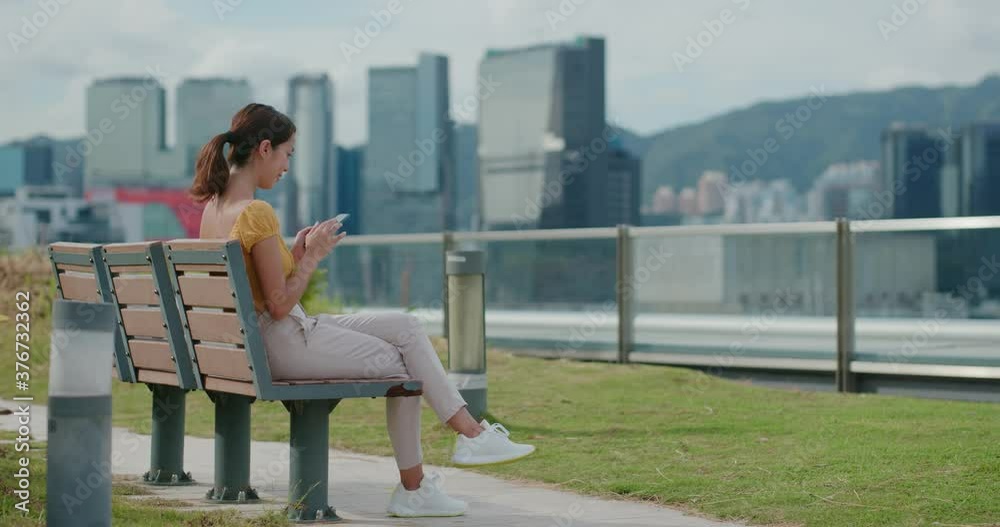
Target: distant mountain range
841 128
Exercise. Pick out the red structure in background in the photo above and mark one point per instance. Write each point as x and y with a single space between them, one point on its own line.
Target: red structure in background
187 212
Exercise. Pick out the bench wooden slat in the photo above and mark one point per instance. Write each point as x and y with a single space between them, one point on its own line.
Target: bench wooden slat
75 268
79 287
133 247
228 363
72 247
136 290
215 326
151 354
215 384
206 291
143 322
191 244
157 377
130 269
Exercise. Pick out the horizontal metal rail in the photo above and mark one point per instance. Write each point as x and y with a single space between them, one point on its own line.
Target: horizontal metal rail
731 229
927 224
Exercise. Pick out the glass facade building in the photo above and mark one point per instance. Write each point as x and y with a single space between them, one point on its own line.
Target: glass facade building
128 118
205 108
980 169
466 178
543 137
912 160
350 163
408 180
312 193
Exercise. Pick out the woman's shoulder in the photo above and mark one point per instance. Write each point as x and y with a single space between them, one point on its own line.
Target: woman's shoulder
257 216
258 206
257 209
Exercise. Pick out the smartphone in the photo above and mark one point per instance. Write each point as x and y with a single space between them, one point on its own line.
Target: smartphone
340 219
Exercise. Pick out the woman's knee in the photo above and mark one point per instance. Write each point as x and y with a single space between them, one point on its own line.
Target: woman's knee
407 328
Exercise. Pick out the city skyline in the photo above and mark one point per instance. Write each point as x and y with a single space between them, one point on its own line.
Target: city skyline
238 43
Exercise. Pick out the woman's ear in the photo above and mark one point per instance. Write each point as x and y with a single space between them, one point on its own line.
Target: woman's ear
264 148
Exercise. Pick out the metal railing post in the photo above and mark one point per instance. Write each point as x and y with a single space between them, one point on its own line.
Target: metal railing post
845 307
624 292
447 244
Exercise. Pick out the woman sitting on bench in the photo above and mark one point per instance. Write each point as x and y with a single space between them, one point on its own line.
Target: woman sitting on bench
360 346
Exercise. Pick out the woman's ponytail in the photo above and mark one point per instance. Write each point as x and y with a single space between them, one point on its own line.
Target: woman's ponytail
211 172
250 126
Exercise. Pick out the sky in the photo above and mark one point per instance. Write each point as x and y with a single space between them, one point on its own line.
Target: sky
669 62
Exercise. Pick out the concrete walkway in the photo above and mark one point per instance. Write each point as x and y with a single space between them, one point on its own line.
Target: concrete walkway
360 486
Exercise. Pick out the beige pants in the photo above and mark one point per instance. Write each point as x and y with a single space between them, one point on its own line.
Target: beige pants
365 346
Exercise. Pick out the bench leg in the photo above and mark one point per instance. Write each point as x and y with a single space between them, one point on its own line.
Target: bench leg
166 466
232 449
309 461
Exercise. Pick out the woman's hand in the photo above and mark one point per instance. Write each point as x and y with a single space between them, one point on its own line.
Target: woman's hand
321 239
299 247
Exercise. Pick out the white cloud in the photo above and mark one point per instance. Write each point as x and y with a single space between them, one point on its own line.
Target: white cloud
774 49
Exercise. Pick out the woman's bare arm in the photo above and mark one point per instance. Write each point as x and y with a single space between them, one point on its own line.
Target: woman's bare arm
281 294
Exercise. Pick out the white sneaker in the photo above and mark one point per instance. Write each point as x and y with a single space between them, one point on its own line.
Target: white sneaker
492 445
428 500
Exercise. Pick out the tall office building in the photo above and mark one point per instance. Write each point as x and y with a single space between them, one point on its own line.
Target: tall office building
350 165
623 187
346 272
126 139
409 173
67 171
23 164
312 196
543 136
205 108
912 159
980 169
466 178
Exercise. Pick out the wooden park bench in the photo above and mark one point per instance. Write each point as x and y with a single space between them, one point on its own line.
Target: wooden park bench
192 298
230 363
148 343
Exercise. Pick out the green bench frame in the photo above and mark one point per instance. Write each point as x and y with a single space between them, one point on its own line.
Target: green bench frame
90 273
209 322
229 362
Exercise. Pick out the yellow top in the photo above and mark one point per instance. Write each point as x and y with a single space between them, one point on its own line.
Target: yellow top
255 223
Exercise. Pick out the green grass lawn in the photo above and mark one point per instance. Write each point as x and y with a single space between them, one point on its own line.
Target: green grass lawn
684 439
